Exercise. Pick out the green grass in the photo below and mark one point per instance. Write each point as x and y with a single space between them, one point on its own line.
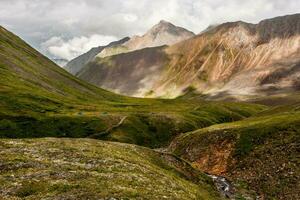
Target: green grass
262 150
91 169
150 123
39 99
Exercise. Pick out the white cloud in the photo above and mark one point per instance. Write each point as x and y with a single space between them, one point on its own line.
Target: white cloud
68 49
130 17
71 19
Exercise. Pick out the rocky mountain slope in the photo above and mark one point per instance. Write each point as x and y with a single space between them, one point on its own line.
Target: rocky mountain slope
234 58
163 33
75 65
130 73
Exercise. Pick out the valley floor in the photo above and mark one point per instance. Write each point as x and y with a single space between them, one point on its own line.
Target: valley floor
258 155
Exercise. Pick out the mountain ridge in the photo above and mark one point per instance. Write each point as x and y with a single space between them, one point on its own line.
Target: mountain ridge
157 31
215 62
76 64
163 33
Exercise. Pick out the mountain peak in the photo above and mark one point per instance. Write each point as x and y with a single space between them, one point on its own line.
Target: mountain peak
167 27
164 22
162 26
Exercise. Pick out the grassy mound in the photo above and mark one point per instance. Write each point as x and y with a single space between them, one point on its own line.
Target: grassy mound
90 169
260 152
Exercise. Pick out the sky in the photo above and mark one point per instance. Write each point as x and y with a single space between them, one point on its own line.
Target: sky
67 28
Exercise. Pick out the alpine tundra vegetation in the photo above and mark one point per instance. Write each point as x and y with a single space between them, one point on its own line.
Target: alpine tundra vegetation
167 114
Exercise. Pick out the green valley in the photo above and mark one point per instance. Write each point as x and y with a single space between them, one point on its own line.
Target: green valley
64 138
39 99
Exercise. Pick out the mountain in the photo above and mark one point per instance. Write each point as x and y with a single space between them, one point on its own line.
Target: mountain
26 74
131 74
238 58
75 65
232 59
146 70
163 33
60 62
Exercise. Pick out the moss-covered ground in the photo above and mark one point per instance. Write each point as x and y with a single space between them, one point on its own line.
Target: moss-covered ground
52 168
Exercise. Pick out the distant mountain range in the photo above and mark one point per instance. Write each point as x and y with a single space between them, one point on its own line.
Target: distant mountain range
163 33
231 59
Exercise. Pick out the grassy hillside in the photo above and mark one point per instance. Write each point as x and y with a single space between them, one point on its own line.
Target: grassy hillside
261 152
90 169
39 99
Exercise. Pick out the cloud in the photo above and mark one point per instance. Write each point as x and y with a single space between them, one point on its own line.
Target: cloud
39 21
130 17
68 49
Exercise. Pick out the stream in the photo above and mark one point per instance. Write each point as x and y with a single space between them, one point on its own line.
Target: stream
223 185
